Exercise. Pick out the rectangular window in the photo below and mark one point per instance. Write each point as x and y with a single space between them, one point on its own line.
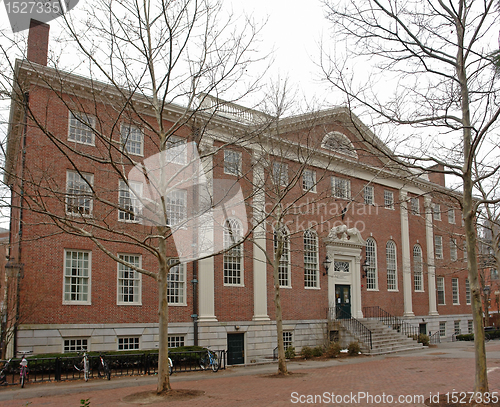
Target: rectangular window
280 174
232 162
465 250
311 269
132 139
456 326
284 265
470 326
176 286
415 206
287 339
309 180
454 290
453 249
341 188
451 216
467 292
440 290
176 151
369 195
129 200
128 343
79 193
438 247
176 207
77 277
75 345
81 128
175 341
129 280
389 199
442 328
436 210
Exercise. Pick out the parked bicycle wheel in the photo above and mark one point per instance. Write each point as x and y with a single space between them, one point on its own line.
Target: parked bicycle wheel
107 370
215 363
203 363
86 369
22 379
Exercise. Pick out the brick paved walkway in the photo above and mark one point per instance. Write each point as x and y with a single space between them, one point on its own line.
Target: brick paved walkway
422 373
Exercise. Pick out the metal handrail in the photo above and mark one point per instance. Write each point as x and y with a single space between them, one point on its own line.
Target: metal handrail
351 324
435 338
392 321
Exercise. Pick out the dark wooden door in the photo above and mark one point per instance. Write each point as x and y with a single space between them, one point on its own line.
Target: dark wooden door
235 349
343 301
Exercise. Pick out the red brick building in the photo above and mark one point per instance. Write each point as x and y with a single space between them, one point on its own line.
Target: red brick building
350 207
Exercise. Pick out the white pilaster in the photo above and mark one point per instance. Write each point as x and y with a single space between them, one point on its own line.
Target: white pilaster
405 249
431 269
206 309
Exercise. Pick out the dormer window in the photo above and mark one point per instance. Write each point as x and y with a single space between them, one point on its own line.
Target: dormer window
339 143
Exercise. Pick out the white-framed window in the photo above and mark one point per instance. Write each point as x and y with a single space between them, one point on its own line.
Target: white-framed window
309 180
339 143
341 188
456 327
284 265
79 193
233 258
440 291
175 341
287 339
418 272
470 326
280 174
176 285
451 216
311 265
453 249
465 250
132 139
232 162
467 292
369 195
454 291
75 345
81 127
129 280
438 247
415 206
442 328
436 210
388 199
176 150
390 254
128 343
129 201
77 271
176 207
371 258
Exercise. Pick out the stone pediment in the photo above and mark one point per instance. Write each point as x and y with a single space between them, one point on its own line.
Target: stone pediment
341 235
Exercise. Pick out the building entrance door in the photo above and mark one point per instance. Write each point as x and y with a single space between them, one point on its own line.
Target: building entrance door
235 349
343 301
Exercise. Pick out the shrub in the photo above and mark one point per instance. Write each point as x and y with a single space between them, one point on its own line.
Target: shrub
333 350
465 337
318 351
290 352
353 349
306 352
423 339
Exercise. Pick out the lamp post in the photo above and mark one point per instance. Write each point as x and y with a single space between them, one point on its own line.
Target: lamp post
326 265
365 266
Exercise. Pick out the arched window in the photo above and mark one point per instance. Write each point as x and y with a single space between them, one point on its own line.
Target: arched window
371 258
418 272
339 143
233 259
281 236
311 270
390 257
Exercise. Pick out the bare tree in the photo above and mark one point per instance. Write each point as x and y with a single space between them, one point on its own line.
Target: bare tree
438 56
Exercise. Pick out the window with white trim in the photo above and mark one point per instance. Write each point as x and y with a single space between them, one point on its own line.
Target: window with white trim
233 258
128 343
309 180
284 264
339 143
129 201
440 290
467 292
418 272
287 339
470 326
451 216
175 341
129 280
436 211
232 162
341 188
176 284
438 247
176 207
81 128
369 194
132 139
371 258
388 199
442 328
280 174
77 277
76 345
415 206
79 192
176 150
311 267
390 254
456 326
454 291
465 250
453 249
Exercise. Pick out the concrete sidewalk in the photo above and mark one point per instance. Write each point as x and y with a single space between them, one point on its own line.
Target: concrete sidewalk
406 378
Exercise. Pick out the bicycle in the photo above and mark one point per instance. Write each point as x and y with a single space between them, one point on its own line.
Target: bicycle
3 372
103 368
170 367
84 365
23 371
209 360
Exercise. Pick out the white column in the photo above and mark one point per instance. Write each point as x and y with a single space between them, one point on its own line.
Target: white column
405 248
356 288
431 269
206 308
259 246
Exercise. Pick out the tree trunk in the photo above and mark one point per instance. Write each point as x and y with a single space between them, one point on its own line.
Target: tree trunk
282 369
